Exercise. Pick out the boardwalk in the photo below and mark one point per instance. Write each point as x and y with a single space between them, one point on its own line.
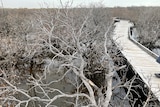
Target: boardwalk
142 62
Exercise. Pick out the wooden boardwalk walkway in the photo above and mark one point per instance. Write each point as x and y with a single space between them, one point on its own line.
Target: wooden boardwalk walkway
142 62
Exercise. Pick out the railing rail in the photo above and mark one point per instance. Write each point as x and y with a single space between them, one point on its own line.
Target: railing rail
154 55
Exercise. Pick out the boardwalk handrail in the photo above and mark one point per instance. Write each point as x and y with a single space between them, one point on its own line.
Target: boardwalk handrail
140 58
154 55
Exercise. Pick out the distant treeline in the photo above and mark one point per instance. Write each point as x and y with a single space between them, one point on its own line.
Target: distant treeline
146 19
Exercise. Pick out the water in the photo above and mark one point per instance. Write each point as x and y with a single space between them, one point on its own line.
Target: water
135 34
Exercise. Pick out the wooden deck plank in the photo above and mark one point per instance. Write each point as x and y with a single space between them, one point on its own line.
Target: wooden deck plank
143 63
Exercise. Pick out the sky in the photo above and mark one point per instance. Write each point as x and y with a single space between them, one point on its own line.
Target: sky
56 3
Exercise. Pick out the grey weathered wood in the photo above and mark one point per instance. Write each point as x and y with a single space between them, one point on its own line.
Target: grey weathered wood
142 60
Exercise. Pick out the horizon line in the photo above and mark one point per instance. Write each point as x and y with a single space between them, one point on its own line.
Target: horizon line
73 7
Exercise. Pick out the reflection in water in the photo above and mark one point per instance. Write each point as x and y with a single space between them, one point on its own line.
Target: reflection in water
135 34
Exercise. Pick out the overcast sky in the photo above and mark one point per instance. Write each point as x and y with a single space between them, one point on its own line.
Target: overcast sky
55 3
